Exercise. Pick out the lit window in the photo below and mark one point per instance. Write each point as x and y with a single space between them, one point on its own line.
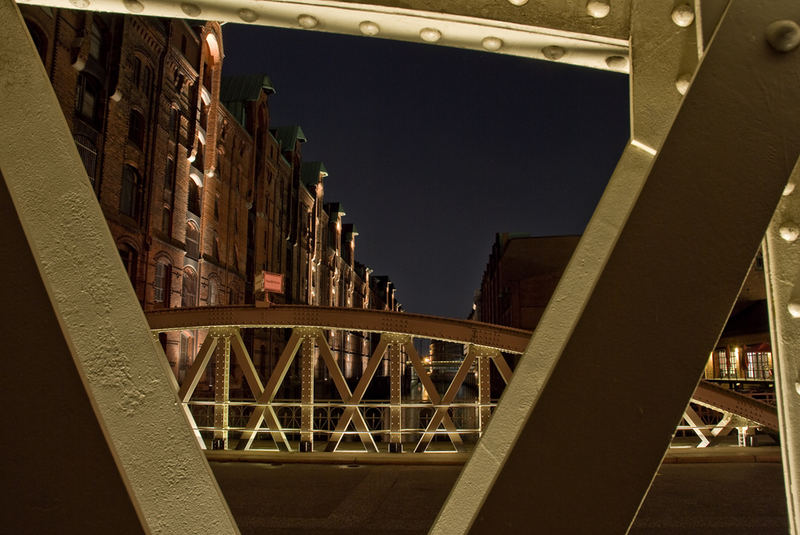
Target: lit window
161 284
189 294
192 241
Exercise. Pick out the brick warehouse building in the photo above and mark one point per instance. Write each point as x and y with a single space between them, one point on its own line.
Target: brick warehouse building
200 192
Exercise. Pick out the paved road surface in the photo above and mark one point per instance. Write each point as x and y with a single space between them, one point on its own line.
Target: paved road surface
300 499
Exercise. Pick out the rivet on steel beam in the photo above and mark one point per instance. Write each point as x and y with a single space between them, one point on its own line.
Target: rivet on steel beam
618 63
248 15
598 8
794 309
191 10
369 28
682 83
797 387
134 6
553 52
307 21
788 189
80 3
518 2
783 35
492 43
683 15
431 35
789 231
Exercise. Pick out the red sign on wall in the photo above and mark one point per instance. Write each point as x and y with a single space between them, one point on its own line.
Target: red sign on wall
269 282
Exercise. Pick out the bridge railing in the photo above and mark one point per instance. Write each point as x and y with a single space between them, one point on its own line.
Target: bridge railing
413 413
293 406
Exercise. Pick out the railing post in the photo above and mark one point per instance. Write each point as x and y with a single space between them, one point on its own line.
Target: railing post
222 387
307 392
395 396
484 391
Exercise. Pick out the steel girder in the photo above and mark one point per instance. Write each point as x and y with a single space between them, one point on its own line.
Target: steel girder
677 221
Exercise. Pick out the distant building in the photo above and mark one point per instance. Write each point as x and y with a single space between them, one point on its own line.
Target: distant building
520 277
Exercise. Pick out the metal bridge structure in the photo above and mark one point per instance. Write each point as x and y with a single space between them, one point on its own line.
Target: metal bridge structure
485 346
708 175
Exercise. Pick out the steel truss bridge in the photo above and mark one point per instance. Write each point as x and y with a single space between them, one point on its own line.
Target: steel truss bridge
484 348
709 173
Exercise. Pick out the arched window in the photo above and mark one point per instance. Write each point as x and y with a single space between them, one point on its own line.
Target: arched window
161 284
189 293
129 195
87 99
88 152
129 256
192 241
193 200
136 128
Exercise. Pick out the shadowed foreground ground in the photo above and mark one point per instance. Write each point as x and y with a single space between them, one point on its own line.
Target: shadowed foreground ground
730 498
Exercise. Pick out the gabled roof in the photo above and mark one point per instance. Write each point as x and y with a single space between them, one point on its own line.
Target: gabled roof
310 173
288 136
244 88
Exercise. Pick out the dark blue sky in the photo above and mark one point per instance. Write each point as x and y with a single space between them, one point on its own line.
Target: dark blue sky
432 150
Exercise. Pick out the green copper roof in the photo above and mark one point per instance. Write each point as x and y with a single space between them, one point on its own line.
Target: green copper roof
310 172
245 87
288 136
236 91
334 208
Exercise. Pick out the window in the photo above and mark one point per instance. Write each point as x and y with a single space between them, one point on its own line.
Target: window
161 284
189 294
193 201
213 288
128 255
174 123
192 241
87 100
216 207
147 81
187 349
215 246
136 128
137 71
169 172
88 153
96 41
166 220
129 196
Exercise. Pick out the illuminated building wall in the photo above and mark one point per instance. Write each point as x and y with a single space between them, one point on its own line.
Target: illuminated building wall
200 191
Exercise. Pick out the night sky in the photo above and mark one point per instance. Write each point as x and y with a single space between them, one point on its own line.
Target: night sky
432 150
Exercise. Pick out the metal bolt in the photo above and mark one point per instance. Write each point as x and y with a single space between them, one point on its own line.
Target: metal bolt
492 43
683 82
431 35
598 8
794 309
307 21
789 231
191 10
553 52
683 15
369 28
248 15
783 35
518 2
788 189
617 63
